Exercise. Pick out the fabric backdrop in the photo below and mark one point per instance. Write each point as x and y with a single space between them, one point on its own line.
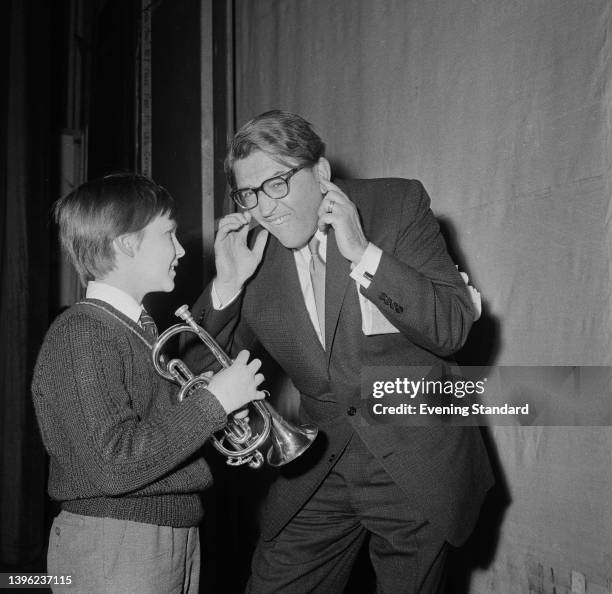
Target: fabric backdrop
26 179
503 109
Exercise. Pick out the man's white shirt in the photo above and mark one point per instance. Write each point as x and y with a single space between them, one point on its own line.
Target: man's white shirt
372 320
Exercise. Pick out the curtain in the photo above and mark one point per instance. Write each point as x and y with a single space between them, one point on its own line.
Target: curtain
503 110
24 277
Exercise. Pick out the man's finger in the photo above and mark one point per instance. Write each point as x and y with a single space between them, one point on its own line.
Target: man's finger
325 219
332 187
242 217
233 221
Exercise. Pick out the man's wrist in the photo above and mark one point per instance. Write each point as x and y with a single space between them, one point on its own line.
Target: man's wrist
224 292
358 254
363 272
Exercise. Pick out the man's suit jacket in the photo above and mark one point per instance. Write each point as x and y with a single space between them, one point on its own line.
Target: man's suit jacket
444 471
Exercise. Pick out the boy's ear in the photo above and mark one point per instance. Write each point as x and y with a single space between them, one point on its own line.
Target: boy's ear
323 169
126 244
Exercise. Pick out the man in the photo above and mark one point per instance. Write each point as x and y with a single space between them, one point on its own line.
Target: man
391 297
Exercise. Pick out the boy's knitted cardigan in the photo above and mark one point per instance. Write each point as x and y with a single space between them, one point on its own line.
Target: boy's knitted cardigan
120 444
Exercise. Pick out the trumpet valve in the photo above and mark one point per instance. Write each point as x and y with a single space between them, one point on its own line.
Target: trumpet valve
238 431
254 460
179 371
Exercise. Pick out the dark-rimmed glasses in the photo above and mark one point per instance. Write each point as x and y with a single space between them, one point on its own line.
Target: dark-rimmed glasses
276 187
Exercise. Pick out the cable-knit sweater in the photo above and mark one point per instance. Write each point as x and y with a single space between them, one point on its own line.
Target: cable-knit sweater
120 444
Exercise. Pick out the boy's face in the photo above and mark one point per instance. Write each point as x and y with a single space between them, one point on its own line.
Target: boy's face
156 257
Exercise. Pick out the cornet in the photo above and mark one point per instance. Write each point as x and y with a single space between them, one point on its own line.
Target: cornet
237 442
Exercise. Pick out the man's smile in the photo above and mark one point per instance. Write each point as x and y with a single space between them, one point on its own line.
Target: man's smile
278 220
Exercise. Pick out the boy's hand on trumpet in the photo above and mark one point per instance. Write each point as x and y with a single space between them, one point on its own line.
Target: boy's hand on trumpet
236 386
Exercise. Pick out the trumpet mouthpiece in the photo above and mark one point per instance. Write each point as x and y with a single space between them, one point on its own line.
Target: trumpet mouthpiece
183 313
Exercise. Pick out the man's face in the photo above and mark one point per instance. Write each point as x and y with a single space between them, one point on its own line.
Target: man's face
157 256
292 219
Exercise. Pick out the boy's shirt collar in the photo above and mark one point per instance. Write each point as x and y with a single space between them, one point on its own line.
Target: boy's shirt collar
119 299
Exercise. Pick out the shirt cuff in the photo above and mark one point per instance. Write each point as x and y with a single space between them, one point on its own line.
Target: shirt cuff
365 270
216 302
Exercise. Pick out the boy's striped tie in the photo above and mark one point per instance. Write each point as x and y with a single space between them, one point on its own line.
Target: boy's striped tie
147 323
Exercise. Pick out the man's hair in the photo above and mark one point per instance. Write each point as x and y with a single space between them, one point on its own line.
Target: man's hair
285 137
99 211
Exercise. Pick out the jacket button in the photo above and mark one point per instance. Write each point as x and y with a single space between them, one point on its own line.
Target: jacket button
351 411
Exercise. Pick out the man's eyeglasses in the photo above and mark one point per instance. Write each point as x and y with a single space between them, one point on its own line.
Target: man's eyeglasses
276 187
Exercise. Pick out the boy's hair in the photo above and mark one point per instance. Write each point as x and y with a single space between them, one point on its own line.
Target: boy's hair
99 211
285 137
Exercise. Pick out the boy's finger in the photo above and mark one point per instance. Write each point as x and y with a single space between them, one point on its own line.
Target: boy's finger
254 365
243 357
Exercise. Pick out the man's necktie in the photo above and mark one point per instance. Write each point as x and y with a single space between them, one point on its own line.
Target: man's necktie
317 278
147 323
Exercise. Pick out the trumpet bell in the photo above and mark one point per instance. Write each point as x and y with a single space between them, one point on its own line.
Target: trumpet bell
286 450
288 441
236 440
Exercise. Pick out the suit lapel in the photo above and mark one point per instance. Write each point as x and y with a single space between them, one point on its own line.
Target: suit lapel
337 270
281 297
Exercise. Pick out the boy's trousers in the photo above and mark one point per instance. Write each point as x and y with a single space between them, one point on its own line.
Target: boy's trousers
106 555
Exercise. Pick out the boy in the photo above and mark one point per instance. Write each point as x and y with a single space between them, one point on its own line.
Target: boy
124 455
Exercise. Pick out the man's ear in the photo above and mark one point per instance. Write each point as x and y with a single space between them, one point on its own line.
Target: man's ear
323 169
125 244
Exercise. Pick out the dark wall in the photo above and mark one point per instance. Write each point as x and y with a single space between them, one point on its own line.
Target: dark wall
112 51
176 151
228 531
31 64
